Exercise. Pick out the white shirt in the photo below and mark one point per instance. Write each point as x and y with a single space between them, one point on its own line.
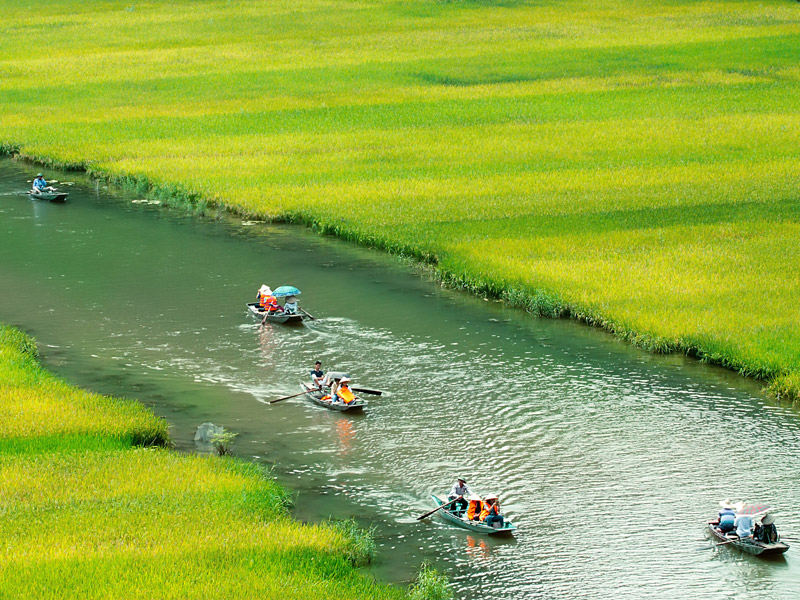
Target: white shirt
744 525
459 490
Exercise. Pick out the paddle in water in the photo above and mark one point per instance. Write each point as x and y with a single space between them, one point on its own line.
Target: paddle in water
287 397
364 391
441 506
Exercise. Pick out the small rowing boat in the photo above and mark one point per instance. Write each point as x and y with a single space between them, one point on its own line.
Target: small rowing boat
276 317
316 396
508 527
748 545
59 197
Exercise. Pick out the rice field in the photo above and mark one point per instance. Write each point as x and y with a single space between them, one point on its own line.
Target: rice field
103 516
633 164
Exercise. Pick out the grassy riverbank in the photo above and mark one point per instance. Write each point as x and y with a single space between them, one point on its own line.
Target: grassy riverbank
87 511
633 164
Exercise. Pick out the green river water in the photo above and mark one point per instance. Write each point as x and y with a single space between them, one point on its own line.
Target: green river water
610 460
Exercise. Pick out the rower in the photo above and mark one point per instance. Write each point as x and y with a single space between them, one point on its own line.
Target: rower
317 375
727 516
491 512
40 185
459 490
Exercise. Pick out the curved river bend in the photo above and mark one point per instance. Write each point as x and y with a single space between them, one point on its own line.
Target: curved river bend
608 459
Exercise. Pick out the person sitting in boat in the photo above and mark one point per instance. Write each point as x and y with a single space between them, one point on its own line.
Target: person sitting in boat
459 490
317 375
474 508
727 517
271 306
743 525
491 512
290 306
342 392
261 297
331 380
40 185
331 377
766 532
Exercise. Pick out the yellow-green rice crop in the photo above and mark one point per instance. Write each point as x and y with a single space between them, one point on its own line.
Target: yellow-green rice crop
39 409
631 163
97 518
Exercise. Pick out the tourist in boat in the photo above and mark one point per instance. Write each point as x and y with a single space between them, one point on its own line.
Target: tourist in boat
491 512
727 517
271 306
743 525
474 508
40 185
317 375
290 306
261 297
342 392
766 531
459 490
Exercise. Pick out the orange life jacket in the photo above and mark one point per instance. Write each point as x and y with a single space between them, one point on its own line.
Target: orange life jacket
473 509
346 394
262 300
488 509
271 303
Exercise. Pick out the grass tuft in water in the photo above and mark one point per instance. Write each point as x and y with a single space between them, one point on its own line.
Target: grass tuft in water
430 585
360 547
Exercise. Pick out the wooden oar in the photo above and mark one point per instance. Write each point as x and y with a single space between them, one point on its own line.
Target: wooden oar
364 391
306 313
719 544
287 397
441 506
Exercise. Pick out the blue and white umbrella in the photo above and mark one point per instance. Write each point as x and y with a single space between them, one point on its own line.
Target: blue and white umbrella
285 290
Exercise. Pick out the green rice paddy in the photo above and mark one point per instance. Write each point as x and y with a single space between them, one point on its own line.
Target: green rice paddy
632 164
85 513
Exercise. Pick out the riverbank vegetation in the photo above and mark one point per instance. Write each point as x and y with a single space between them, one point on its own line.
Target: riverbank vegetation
102 515
632 164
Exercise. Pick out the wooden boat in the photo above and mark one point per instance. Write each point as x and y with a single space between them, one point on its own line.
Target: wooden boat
749 545
479 526
316 396
278 317
51 196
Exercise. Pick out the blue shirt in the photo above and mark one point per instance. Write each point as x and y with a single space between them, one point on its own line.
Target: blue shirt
39 183
727 515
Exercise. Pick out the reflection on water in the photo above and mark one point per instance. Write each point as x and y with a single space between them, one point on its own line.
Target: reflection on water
608 459
478 550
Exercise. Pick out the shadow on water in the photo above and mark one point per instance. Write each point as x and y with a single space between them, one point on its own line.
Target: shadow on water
610 460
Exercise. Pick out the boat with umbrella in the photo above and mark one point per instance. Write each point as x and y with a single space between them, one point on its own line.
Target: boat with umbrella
750 544
291 313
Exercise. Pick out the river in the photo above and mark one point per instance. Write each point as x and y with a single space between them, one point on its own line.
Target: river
609 459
